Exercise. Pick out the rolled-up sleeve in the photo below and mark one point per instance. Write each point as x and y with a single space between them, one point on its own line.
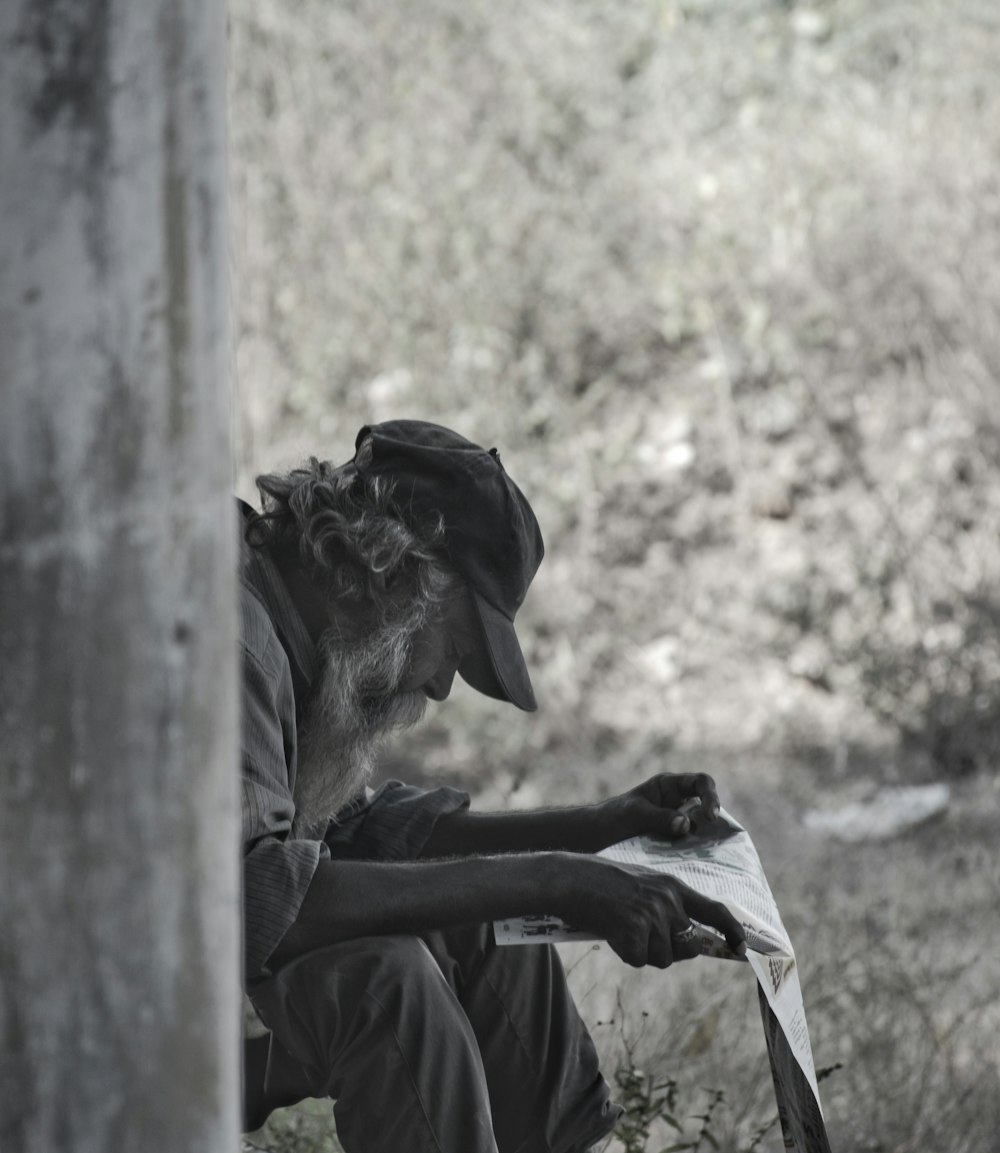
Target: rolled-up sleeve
277 870
393 823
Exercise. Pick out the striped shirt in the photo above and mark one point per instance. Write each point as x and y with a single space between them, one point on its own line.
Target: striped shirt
392 823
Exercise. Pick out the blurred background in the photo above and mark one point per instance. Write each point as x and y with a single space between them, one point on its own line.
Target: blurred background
722 283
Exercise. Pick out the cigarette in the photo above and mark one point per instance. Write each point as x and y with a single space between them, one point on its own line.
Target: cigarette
689 806
713 944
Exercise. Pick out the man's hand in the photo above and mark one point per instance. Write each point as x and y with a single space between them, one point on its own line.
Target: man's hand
645 917
653 808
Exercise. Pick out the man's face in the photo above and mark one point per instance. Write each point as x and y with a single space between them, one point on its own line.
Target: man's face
365 689
438 649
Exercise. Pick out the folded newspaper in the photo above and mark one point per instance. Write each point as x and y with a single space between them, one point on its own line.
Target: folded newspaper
718 859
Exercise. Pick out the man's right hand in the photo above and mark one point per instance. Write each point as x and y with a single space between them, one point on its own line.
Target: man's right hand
646 917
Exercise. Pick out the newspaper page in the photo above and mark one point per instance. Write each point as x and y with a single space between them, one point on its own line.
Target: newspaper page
718 859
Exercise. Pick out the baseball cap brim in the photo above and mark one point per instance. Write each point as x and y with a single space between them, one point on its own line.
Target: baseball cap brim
499 669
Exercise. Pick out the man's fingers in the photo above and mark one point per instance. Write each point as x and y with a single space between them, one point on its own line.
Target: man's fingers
660 951
712 913
704 787
704 797
663 805
686 943
630 950
665 822
698 787
650 818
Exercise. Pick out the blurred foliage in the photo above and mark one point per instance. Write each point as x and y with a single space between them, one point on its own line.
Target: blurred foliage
304 1128
721 281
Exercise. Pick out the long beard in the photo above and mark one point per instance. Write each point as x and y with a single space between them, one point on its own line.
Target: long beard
354 704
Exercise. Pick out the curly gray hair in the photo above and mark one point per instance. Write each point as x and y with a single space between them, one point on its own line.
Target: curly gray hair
349 535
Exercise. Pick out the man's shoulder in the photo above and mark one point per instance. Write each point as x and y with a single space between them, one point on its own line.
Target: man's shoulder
256 628
257 636
273 621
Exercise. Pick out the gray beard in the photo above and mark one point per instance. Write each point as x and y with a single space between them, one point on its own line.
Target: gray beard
353 705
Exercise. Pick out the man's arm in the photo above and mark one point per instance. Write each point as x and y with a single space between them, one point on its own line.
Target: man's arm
580 829
639 913
350 899
652 808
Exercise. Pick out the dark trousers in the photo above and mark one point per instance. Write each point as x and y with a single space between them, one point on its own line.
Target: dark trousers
436 1044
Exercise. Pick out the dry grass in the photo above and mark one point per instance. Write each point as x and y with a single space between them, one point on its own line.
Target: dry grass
896 945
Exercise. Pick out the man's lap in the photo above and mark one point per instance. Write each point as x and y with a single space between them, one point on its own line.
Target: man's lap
501 1016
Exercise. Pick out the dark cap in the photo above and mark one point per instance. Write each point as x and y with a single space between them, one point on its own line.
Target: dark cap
490 533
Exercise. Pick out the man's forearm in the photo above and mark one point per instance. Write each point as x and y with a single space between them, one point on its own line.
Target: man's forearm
350 899
644 916
581 829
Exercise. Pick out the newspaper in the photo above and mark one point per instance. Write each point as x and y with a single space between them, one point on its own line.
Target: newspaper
718 859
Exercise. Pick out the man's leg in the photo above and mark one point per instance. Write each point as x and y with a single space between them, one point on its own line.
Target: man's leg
373 1024
407 1036
546 1089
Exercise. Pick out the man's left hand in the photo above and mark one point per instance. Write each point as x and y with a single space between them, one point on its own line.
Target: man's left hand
653 809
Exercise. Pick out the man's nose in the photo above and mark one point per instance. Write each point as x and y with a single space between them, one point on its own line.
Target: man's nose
438 687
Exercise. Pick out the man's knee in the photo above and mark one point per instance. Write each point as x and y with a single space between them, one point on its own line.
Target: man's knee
338 995
352 1016
375 966
397 973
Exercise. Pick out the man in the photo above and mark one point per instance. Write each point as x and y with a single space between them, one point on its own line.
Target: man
369 953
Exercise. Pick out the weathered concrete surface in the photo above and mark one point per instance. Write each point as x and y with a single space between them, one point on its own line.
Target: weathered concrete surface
118 845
